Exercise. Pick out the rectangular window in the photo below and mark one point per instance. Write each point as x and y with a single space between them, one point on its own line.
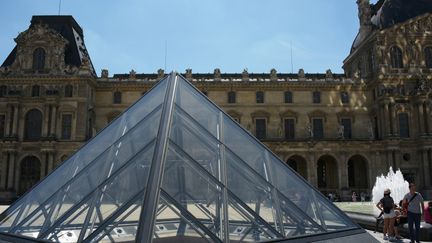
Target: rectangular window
318 128
2 125
288 97
117 97
260 128
231 97
66 126
316 97
289 129
259 97
346 123
404 125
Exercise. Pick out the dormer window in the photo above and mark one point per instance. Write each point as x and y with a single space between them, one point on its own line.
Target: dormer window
39 59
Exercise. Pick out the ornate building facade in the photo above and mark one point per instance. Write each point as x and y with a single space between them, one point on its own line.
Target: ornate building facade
339 131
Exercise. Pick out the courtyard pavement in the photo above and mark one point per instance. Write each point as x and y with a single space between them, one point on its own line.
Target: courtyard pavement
379 236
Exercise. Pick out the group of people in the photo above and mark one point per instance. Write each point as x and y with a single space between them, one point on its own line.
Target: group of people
408 210
363 197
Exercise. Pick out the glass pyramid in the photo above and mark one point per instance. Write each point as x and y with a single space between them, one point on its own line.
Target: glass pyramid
173 168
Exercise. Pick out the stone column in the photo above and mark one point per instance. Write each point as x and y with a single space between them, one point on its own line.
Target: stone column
50 161
312 169
15 122
426 169
393 120
45 121
44 163
3 165
343 172
420 113
11 172
428 118
397 159
386 119
53 121
9 117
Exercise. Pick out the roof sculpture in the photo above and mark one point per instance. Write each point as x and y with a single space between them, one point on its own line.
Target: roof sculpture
174 168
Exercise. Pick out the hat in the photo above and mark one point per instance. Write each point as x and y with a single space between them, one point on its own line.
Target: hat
387 191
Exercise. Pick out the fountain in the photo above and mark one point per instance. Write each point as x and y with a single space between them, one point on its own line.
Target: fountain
394 181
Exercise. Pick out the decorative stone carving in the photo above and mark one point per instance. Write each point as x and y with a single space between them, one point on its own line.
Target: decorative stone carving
273 75
189 73
329 75
104 73
245 75
364 14
132 75
40 36
161 73
301 74
217 74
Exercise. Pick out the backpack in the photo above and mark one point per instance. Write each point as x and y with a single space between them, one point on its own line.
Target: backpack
387 204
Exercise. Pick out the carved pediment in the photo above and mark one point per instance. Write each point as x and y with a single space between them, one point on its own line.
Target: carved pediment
288 114
317 114
40 37
261 113
346 114
234 114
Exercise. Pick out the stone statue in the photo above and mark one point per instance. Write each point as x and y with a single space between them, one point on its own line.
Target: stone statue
309 131
273 75
188 73
132 75
370 130
104 73
329 74
341 131
301 73
161 73
245 75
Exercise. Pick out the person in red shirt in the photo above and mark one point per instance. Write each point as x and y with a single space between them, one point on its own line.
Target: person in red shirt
428 212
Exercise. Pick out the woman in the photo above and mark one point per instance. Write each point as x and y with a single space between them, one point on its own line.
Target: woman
387 206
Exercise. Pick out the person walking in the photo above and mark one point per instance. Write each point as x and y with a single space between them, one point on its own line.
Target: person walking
415 201
387 206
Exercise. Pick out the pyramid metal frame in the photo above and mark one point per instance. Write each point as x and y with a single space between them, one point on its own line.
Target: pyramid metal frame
174 159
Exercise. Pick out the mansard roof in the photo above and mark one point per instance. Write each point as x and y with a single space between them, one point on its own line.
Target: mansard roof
387 13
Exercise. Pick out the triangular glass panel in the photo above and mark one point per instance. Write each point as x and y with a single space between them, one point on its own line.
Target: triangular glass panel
174 168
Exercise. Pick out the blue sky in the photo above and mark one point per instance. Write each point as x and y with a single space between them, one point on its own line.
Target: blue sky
200 34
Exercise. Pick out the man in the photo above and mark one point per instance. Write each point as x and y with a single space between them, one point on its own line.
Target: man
415 205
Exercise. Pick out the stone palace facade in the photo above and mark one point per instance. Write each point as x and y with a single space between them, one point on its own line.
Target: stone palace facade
339 131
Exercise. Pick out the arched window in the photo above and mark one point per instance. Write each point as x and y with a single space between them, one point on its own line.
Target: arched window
33 125
396 57
35 90
428 57
68 90
3 91
29 173
39 59
288 96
